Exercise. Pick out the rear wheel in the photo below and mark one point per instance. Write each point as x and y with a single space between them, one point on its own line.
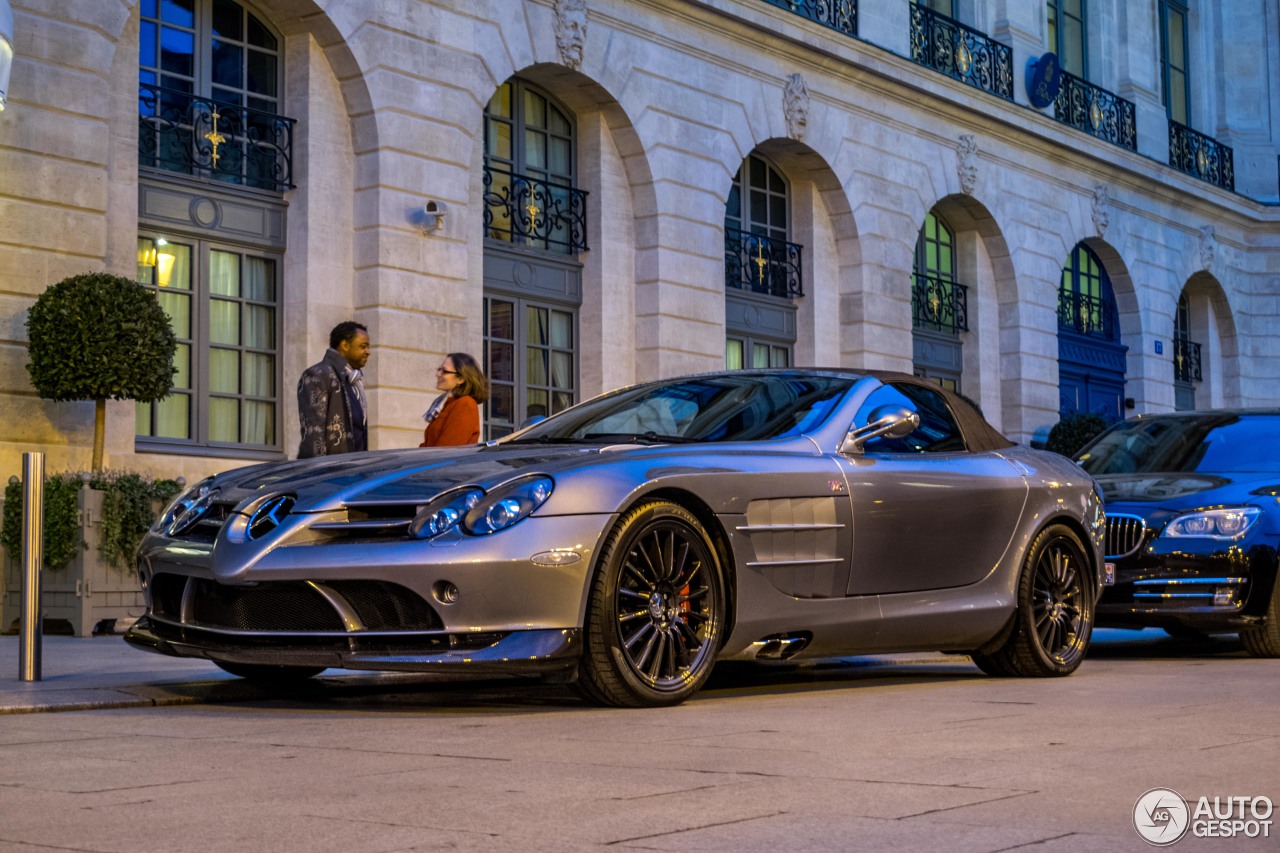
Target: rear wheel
262 673
1054 621
1264 641
656 614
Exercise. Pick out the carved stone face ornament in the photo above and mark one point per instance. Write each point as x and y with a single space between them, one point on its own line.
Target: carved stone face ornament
571 31
967 163
795 107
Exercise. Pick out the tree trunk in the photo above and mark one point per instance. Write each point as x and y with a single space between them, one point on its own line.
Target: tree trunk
99 431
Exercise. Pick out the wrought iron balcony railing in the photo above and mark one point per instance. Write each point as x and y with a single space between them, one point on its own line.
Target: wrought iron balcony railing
180 132
1186 361
761 264
839 15
939 304
1097 112
1087 315
948 46
1202 156
532 212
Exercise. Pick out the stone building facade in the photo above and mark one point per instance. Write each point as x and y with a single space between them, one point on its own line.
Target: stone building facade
589 193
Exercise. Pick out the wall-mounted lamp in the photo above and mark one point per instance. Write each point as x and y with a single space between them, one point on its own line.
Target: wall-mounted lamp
147 257
433 214
6 50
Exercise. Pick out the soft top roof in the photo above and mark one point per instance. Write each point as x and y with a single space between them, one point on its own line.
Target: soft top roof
978 434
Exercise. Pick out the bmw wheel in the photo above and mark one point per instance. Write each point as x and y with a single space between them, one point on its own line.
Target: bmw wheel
1054 621
656 615
1264 640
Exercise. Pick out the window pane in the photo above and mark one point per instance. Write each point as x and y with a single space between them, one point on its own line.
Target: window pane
501 403
500 103
535 110
259 279
561 370
498 141
778 211
224 420
147 45
759 355
177 51
148 8
224 273
178 12
259 423
173 266
558 122
260 36
178 307
560 401
228 20
502 319
259 327
182 366
535 150
561 329
733 354
259 375
560 157
142 419
173 416
228 65
263 76
224 371
536 404
535 366
502 362
224 322
536 331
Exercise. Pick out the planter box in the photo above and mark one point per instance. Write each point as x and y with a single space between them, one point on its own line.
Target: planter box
87 591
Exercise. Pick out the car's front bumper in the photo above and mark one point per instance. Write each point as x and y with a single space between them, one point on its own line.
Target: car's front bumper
505 653
1200 584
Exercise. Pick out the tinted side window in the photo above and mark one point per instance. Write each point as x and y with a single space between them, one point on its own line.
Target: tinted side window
937 433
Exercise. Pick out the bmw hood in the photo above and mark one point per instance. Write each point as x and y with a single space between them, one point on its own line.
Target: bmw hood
1187 490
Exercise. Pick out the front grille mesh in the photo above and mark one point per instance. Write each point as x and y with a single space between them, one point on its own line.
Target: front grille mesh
1125 534
290 606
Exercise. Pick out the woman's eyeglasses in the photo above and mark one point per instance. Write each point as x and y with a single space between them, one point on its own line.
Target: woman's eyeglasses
446 372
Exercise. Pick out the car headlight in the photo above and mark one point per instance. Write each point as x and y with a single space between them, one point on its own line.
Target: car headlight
444 512
507 505
182 503
1228 523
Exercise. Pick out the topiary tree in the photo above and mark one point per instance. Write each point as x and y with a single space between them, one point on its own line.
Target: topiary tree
1073 432
97 337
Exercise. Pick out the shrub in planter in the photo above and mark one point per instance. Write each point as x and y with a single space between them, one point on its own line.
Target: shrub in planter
98 337
1074 431
62 537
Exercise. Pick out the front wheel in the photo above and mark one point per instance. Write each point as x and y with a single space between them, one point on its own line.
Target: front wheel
1054 621
656 614
1264 641
261 673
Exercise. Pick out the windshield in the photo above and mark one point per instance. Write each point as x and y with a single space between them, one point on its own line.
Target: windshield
732 407
1227 443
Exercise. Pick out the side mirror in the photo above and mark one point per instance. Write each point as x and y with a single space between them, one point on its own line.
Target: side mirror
892 421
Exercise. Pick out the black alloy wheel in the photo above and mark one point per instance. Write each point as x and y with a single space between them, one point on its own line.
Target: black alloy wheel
1050 632
657 610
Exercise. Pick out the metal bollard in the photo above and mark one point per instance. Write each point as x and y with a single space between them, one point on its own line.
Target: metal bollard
32 556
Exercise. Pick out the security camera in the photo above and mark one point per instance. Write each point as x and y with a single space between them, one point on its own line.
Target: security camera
434 213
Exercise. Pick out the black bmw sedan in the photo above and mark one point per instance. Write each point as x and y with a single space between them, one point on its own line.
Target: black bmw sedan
1193 523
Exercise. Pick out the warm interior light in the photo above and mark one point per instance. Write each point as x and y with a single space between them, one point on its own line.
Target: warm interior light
164 263
147 257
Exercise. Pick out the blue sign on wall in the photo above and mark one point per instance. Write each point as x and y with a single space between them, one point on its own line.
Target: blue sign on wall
1044 79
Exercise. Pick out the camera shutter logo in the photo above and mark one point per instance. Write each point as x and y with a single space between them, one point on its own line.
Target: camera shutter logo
1161 816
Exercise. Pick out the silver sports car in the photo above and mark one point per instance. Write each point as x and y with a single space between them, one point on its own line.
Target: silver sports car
627 544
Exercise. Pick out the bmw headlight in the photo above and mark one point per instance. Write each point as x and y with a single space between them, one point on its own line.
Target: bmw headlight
444 512
182 503
1228 523
508 504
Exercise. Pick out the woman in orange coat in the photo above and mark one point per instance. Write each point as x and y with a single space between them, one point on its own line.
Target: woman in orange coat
454 417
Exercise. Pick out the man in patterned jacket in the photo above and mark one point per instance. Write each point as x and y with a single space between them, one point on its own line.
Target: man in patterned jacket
331 401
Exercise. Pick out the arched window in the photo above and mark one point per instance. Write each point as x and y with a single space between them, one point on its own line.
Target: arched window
1186 358
534 225
939 305
762 268
1085 301
210 75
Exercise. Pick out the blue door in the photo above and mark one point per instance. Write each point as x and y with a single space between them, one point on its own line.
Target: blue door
1091 359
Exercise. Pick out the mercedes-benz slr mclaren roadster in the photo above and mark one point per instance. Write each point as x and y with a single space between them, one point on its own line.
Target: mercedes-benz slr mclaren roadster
628 543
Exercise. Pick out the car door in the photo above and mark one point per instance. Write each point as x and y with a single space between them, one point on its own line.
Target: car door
927 512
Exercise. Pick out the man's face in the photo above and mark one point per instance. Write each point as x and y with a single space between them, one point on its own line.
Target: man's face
356 350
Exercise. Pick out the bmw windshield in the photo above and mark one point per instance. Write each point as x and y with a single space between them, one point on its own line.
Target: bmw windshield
714 408
1215 444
